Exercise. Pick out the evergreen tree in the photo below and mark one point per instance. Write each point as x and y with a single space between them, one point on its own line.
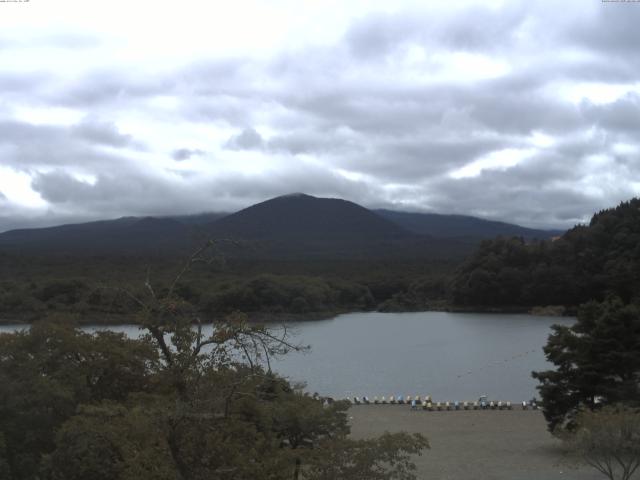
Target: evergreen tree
597 362
586 263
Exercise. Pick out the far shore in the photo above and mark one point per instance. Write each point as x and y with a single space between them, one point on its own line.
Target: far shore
476 444
269 317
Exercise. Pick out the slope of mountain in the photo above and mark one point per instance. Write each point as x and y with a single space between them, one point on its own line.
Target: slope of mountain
292 226
127 235
299 225
443 226
198 218
303 216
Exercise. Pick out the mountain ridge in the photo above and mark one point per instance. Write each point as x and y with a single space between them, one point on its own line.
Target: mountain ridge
455 225
295 225
321 216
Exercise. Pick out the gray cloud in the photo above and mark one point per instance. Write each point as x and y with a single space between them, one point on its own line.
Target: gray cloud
612 29
248 139
182 154
222 109
550 189
58 187
478 28
622 115
422 158
28 147
524 203
108 87
102 133
355 107
316 140
132 193
12 83
137 193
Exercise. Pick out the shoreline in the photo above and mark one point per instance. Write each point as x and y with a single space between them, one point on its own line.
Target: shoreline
267 317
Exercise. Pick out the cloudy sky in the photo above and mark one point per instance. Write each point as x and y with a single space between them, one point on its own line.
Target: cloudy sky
524 111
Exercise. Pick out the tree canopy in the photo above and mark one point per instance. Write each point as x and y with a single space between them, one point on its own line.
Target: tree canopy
609 441
588 262
597 362
175 403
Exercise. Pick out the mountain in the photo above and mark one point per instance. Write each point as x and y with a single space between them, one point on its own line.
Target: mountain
198 218
462 226
296 226
127 235
301 216
300 225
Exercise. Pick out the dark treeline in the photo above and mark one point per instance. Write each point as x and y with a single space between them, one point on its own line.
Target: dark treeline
94 289
587 263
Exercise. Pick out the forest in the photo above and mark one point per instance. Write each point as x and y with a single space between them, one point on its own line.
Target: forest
174 404
588 262
92 289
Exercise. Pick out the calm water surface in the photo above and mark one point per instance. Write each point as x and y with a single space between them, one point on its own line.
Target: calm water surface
450 356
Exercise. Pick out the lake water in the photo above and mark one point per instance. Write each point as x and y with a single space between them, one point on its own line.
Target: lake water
450 356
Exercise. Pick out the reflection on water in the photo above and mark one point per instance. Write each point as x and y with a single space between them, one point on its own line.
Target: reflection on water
450 356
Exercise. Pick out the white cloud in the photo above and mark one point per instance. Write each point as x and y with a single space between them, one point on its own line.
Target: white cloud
47 115
595 92
16 187
499 160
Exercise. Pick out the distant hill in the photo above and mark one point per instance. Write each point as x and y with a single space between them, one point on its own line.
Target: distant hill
303 216
462 226
299 225
127 235
296 226
198 218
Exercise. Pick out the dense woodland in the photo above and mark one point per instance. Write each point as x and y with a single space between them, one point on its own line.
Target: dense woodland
92 289
597 359
175 403
587 263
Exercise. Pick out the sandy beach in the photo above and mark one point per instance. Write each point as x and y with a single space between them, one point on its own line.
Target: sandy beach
487 445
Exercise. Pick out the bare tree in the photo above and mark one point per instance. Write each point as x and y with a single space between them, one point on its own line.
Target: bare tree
187 353
608 440
176 327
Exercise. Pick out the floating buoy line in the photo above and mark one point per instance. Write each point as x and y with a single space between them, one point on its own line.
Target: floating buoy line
497 363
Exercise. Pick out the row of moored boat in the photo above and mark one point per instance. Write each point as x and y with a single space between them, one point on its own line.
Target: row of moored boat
426 403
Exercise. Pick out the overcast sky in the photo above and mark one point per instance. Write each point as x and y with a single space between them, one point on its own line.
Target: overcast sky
527 111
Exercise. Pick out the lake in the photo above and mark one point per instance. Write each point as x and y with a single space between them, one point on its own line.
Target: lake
450 356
